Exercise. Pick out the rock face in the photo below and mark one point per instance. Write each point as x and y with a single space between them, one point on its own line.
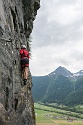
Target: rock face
16 24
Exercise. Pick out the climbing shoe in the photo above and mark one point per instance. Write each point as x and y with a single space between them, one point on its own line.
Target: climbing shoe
24 80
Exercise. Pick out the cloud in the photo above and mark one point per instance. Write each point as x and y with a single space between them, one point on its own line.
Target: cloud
57 36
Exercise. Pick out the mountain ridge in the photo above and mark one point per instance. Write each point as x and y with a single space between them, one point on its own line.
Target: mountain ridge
61 71
60 86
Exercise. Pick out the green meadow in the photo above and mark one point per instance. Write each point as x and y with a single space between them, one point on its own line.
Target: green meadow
46 115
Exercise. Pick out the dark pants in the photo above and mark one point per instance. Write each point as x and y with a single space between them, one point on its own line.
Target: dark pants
24 62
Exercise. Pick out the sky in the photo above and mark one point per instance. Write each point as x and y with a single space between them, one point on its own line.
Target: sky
57 37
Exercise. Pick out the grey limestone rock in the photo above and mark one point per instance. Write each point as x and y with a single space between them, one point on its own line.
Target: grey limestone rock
16 24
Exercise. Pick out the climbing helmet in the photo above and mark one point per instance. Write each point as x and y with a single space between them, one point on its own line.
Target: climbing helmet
23 46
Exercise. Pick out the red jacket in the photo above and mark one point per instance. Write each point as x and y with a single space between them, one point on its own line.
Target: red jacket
24 53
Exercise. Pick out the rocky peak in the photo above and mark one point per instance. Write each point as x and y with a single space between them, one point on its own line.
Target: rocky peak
61 71
80 73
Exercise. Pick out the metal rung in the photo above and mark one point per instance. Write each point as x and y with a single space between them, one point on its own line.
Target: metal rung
5 39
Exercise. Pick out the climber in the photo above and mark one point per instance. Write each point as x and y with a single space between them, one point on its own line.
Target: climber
24 56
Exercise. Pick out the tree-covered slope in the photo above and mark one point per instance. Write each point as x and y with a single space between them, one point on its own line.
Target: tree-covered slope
58 87
58 90
40 85
52 90
76 97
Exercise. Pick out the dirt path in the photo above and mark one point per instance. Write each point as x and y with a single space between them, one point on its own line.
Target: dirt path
54 122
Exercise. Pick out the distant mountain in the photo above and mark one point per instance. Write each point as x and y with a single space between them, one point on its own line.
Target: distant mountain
60 86
61 71
78 74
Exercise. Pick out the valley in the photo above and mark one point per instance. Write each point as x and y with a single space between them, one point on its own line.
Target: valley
46 115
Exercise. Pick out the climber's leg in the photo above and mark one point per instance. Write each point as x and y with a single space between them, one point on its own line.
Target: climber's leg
25 69
25 74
